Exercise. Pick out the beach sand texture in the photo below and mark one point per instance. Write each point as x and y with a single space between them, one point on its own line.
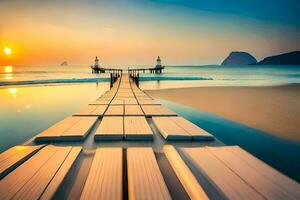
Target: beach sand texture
274 109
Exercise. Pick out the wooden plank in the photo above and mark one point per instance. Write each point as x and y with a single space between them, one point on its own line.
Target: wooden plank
13 182
170 130
87 110
184 174
256 180
35 187
100 110
58 129
196 132
137 128
125 94
157 110
73 128
61 173
105 176
15 156
133 110
140 94
115 110
284 182
145 180
100 102
80 129
148 102
122 90
92 110
130 101
144 98
219 175
110 128
117 102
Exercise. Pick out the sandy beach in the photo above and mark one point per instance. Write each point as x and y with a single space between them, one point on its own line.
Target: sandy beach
274 109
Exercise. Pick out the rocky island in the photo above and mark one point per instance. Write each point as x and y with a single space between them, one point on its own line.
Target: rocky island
239 58
291 58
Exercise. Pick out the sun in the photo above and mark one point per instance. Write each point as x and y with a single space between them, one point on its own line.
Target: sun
7 51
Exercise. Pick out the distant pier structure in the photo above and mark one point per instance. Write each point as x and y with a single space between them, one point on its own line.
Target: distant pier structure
158 68
96 67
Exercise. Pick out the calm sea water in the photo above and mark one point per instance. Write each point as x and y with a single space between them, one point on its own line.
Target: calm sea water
28 105
172 76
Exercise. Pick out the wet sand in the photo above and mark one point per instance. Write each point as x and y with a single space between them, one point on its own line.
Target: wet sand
274 109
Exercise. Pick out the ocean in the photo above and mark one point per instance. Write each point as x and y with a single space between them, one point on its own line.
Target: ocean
34 98
171 77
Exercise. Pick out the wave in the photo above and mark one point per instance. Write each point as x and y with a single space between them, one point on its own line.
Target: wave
173 78
73 80
94 80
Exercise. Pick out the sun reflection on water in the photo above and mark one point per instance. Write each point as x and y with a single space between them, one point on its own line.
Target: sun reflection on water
13 92
8 69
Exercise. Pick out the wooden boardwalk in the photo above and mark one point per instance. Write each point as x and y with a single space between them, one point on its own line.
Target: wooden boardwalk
232 172
119 133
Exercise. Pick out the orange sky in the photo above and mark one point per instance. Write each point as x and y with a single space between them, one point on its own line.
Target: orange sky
128 34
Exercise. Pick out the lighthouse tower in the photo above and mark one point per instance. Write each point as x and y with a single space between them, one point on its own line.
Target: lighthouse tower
96 63
158 64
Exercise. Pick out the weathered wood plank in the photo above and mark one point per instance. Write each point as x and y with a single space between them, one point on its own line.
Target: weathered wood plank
256 180
157 110
57 129
145 180
92 110
284 182
117 102
80 129
184 174
170 130
105 177
61 173
72 128
86 110
115 110
148 102
35 187
110 128
13 182
100 102
219 175
133 110
13 157
137 128
196 132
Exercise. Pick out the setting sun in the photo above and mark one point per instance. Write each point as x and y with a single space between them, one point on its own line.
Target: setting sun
7 51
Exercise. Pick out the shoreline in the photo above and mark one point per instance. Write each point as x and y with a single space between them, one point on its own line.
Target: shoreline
272 109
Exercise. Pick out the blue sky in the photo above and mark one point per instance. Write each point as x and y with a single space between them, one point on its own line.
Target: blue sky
279 11
134 32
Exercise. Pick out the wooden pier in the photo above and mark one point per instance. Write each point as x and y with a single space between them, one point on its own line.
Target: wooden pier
127 145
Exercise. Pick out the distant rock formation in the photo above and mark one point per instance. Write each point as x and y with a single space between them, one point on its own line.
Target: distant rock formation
292 58
65 63
239 58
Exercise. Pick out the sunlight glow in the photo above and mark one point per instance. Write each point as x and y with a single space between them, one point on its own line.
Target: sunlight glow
7 51
21 147
12 90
